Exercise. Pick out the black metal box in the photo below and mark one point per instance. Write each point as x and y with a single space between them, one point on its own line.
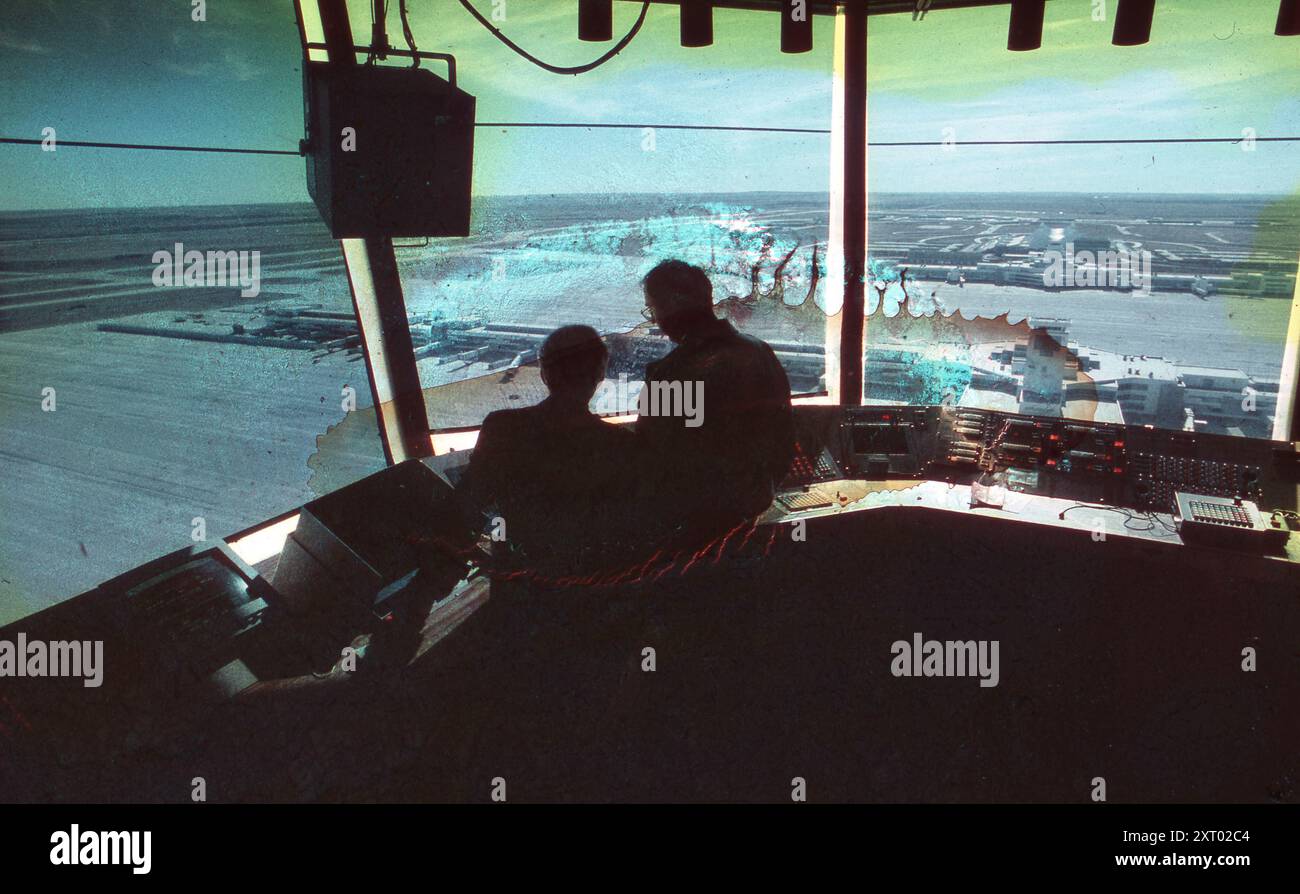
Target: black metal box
390 150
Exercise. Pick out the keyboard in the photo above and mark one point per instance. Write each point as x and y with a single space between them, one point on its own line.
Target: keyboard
801 502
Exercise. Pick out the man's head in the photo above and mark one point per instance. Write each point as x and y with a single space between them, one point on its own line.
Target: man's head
679 297
573 362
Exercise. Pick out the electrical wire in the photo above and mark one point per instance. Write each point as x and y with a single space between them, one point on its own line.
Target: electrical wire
408 33
561 69
736 128
1152 519
1098 142
633 126
97 145
1288 514
596 126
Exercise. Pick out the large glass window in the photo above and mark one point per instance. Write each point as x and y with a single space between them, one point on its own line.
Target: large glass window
568 219
1160 273
142 409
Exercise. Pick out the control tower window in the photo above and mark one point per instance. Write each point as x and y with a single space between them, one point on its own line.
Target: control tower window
1158 275
584 183
140 411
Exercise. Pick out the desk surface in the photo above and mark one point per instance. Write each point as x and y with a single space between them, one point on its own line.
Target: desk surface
854 495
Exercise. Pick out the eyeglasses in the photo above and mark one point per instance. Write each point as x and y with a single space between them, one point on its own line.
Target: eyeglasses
648 314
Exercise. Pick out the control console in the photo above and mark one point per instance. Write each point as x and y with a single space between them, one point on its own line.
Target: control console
1131 466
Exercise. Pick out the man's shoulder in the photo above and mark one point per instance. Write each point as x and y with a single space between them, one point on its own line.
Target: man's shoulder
501 421
727 343
728 338
741 349
535 420
499 418
754 343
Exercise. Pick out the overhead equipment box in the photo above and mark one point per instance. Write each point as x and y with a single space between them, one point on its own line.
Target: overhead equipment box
390 151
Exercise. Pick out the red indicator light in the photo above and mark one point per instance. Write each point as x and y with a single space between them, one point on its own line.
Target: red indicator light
1053 437
1119 471
1051 462
1119 443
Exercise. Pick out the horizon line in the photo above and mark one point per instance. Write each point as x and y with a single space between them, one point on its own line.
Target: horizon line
610 196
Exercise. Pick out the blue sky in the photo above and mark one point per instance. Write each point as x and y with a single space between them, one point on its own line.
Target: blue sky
143 71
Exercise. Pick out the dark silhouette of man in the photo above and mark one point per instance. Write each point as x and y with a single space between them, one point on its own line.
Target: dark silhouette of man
714 455
554 473
554 479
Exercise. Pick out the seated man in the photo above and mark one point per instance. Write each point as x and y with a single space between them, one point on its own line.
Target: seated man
550 474
715 424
